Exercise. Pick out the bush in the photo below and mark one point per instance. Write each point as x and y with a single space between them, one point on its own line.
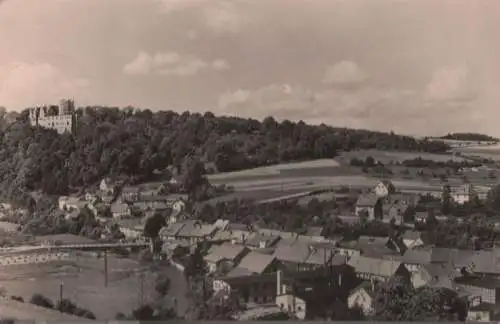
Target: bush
41 300
17 298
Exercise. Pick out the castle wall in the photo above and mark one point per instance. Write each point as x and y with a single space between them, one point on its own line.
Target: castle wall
60 120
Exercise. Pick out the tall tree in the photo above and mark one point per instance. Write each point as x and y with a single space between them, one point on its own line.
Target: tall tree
446 200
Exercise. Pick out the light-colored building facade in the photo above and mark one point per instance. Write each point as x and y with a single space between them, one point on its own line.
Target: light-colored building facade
60 118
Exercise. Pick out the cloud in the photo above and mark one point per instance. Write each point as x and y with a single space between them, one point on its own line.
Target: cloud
221 16
344 73
225 18
171 63
192 34
450 84
368 107
24 84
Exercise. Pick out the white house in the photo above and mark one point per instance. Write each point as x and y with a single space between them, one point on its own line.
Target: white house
412 239
384 188
362 297
462 194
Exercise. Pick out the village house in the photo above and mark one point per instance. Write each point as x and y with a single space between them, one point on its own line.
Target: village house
130 194
8 227
120 209
261 241
482 291
370 246
176 216
420 217
132 228
177 201
234 233
412 239
90 197
301 255
152 189
175 248
362 297
403 199
433 275
483 313
255 263
250 284
486 263
195 231
394 212
225 257
170 232
462 194
371 205
384 188
71 202
316 233
107 187
458 259
378 269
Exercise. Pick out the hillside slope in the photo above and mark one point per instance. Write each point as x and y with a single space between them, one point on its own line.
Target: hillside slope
110 141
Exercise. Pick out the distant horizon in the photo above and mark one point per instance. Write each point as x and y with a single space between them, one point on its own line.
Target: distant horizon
416 136
416 67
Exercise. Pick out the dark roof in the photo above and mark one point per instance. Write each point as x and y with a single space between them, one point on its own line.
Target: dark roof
369 200
256 238
489 283
411 235
457 257
314 231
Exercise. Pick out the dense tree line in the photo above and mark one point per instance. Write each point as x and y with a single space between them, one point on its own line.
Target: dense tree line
425 163
470 137
138 144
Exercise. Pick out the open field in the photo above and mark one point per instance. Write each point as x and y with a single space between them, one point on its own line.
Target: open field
324 165
83 283
294 178
389 156
485 152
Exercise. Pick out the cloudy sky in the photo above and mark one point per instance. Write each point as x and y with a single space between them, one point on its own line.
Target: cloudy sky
414 66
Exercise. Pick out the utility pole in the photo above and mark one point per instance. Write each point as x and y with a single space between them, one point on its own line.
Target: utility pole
61 287
141 288
105 268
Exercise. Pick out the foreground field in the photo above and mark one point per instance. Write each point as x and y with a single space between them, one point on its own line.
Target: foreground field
83 283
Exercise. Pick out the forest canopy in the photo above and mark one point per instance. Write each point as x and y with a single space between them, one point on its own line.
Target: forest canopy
137 143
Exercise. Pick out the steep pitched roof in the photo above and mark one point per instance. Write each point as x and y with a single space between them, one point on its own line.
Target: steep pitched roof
411 235
374 266
256 262
225 252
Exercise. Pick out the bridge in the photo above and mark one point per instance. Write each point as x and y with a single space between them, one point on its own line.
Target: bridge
74 246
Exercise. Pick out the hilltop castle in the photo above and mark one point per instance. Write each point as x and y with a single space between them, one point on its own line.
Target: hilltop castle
60 118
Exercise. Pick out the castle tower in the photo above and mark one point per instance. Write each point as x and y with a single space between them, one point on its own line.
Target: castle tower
65 107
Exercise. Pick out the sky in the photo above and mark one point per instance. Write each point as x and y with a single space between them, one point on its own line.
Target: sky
423 67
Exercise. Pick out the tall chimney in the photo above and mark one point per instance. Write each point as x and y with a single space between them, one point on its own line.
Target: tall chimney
279 274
